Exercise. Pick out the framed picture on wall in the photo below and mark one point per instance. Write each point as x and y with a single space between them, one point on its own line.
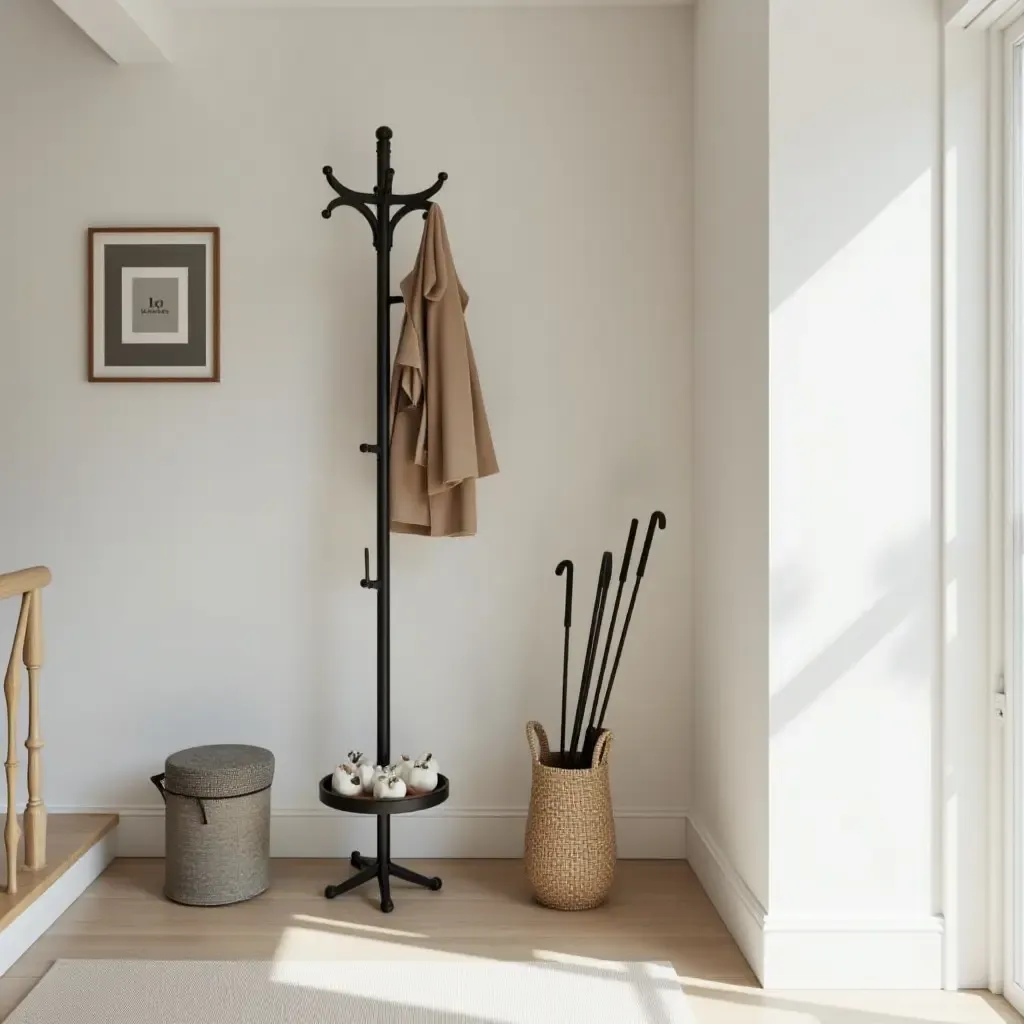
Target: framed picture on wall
154 304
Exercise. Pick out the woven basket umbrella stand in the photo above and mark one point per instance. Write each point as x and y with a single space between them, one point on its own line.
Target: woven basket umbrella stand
570 828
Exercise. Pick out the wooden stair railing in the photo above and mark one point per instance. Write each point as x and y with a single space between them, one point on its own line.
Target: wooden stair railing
28 649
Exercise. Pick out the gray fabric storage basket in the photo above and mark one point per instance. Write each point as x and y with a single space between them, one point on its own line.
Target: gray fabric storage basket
218 824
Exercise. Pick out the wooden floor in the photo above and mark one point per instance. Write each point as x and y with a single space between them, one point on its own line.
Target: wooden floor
658 912
68 837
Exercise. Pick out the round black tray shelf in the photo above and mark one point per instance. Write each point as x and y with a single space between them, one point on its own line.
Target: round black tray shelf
368 805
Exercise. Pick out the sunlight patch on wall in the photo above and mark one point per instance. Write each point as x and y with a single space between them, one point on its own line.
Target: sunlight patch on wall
852 519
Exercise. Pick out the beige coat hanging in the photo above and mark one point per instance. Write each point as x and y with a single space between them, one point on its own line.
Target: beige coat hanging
440 440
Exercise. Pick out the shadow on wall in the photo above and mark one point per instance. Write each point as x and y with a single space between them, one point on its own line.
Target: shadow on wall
849 146
854 304
903 576
855 197
864 318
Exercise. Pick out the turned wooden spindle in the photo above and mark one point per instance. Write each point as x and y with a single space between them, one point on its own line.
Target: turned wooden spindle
12 685
35 811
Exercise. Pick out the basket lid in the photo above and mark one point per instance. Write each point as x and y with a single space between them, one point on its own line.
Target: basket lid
221 770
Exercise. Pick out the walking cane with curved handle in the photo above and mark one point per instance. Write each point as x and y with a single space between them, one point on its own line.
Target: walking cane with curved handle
657 520
565 566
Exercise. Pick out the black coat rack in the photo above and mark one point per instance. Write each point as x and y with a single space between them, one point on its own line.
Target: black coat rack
375 207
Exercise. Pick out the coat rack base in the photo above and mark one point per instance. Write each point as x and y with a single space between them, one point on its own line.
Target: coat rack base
369 868
382 867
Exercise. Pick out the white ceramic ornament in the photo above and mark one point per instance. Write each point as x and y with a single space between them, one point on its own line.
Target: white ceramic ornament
346 781
389 787
422 778
357 757
430 761
403 767
367 775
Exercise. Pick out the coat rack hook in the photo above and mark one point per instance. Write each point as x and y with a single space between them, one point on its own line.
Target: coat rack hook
366 583
347 197
419 200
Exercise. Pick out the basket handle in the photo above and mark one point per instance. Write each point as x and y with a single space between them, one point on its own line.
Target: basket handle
602 748
538 740
158 781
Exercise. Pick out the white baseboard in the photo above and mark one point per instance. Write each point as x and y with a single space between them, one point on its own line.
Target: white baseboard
28 926
641 834
817 953
853 953
737 906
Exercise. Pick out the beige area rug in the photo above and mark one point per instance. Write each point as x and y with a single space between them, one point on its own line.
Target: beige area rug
356 992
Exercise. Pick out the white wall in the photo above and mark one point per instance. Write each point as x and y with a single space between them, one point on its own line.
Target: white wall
879 449
730 800
855 441
853 454
206 541
857 393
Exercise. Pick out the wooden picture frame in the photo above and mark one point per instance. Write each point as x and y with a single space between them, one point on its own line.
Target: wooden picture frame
154 305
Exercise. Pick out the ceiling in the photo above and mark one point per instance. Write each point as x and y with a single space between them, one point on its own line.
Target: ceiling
142 31
308 4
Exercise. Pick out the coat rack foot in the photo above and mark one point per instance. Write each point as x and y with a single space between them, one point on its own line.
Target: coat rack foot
368 871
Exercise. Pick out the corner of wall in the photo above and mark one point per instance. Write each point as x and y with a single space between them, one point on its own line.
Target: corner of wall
736 904
816 953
